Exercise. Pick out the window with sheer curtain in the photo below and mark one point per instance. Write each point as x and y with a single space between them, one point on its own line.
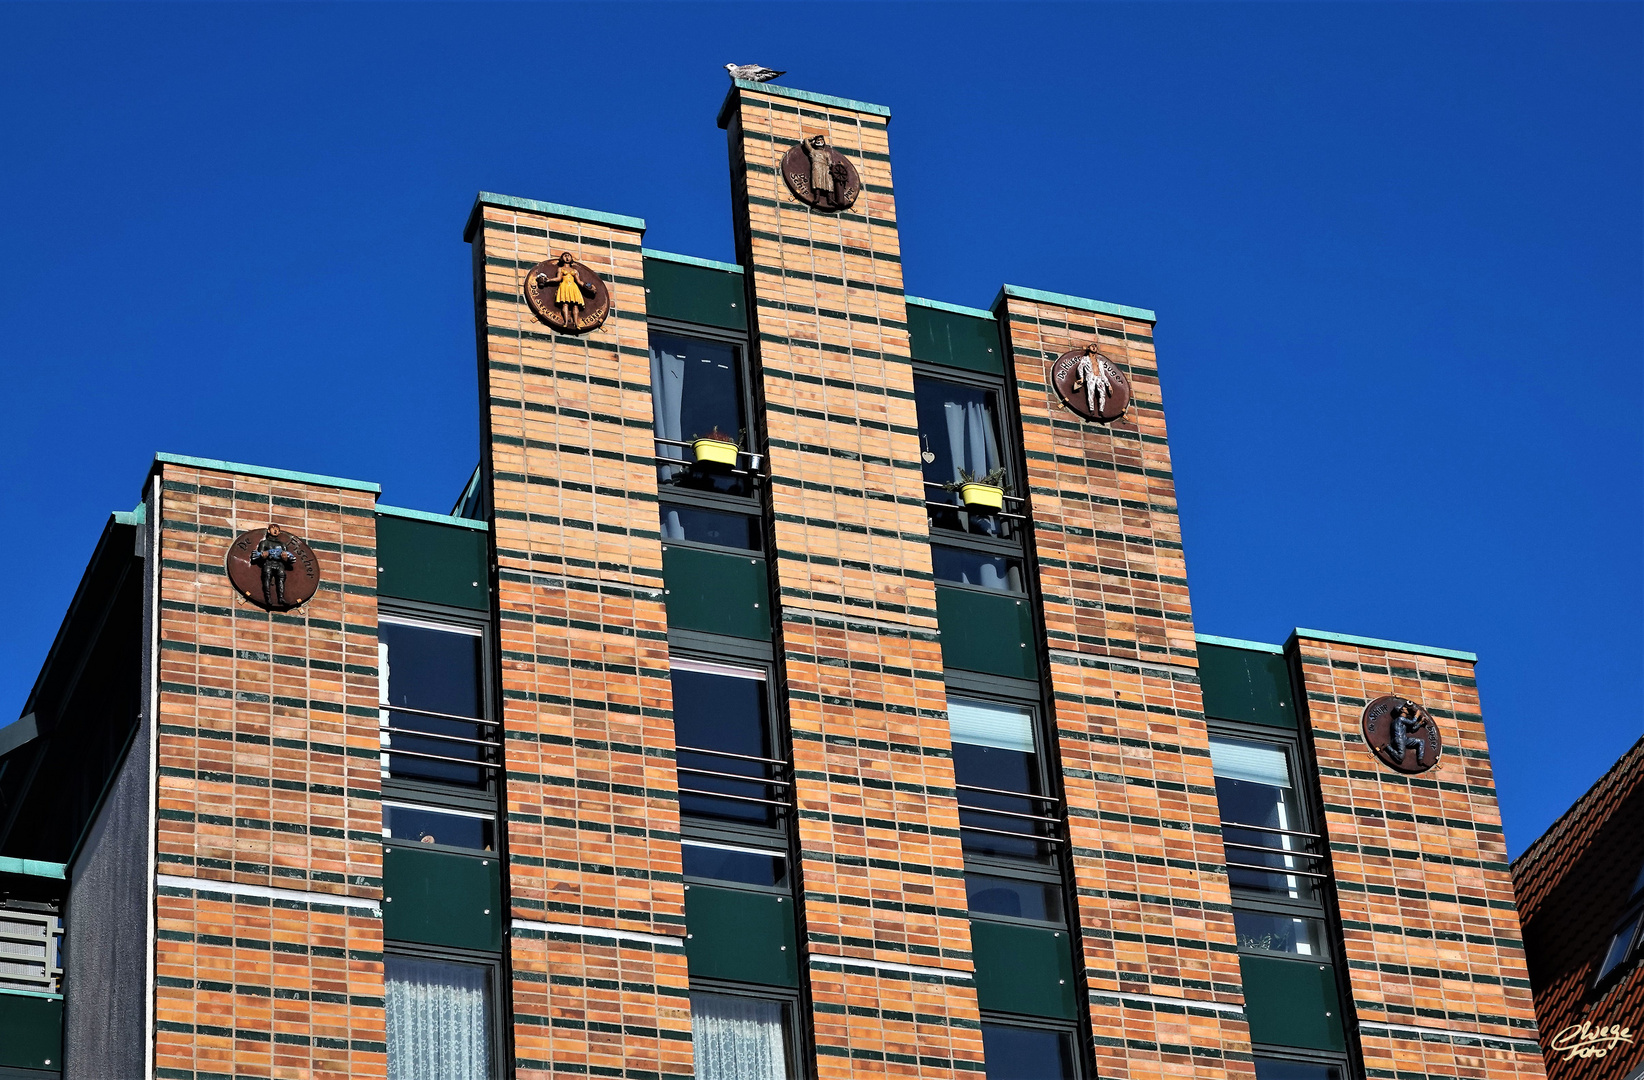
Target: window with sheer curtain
739 1038
439 1019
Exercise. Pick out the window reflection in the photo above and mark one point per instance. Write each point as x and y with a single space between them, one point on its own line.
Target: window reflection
1017 898
1254 790
1025 1053
723 747
697 524
744 866
1259 931
429 681
1274 1069
965 567
997 769
426 825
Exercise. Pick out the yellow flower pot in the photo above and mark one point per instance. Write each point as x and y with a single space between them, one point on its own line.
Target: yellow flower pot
983 495
714 451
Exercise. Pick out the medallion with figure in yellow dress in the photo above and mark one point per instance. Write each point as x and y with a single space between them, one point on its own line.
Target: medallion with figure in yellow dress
567 295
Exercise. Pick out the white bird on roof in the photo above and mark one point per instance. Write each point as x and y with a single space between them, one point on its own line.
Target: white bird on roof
752 72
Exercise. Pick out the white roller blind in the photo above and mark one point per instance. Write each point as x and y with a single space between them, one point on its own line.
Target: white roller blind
1002 726
1255 762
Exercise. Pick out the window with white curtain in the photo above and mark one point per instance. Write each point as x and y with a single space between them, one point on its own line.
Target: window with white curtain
439 1019
738 1037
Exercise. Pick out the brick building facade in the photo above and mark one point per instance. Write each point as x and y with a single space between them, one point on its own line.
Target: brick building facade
804 764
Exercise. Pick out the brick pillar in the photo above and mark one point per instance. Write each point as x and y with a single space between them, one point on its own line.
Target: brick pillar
268 959
597 897
1153 899
1434 952
886 932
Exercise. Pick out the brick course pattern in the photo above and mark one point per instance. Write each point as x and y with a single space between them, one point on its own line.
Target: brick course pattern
1420 864
1573 885
1154 906
592 794
268 776
882 868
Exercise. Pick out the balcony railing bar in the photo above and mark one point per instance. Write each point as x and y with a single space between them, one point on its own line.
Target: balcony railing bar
728 754
963 807
734 776
1269 829
1279 870
492 743
384 706
470 762
1051 799
1013 835
735 798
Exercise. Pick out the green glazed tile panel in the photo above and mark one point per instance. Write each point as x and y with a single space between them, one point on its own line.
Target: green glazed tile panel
1242 684
745 936
1023 969
939 336
442 898
31 1032
698 294
1292 1003
435 563
717 592
987 632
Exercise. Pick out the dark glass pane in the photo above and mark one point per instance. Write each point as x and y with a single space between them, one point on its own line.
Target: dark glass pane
975 568
1262 932
734 864
988 814
958 430
1274 1069
696 389
735 1037
436 670
425 825
1019 1053
682 522
1017 898
432 748
721 723
1618 947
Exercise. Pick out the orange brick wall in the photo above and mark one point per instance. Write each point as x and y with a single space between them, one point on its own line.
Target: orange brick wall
1431 930
599 977
882 870
1154 915
268 779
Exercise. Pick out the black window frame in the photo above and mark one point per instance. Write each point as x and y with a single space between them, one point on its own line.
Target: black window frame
1016 505
1630 920
751 504
1303 1056
1316 859
434 793
781 837
1073 1029
799 1050
501 1007
1055 870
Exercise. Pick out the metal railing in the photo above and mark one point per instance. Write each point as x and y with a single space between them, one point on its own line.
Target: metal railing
31 951
1306 849
487 751
1052 833
954 503
755 461
772 781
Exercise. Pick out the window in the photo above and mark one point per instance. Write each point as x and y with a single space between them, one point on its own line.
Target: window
1624 944
432 693
733 779
1291 935
441 827
1019 1052
1268 1068
1268 849
738 1036
440 1018
1001 781
960 438
699 390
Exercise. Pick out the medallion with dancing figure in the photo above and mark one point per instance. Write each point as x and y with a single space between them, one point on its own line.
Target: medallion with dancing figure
1402 734
1090 385
567 295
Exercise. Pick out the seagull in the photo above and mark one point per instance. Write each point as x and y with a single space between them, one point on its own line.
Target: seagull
752 72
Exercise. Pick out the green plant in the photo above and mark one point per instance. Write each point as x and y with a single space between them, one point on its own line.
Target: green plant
992 478
719 436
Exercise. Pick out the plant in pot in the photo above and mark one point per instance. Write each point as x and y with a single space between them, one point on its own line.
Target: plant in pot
984 492
716 448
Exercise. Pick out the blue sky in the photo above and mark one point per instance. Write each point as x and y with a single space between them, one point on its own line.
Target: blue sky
1395 251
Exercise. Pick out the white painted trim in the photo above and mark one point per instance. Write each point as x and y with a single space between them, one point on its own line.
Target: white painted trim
236 888
1159 999
730 671
597 931
429 624
1448 1033
883 965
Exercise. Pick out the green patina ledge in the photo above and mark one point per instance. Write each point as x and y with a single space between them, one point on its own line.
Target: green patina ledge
1240 643
957 309
33 868
1379 643
258 470
796 95
690 260
424 515
1101 307
574 213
